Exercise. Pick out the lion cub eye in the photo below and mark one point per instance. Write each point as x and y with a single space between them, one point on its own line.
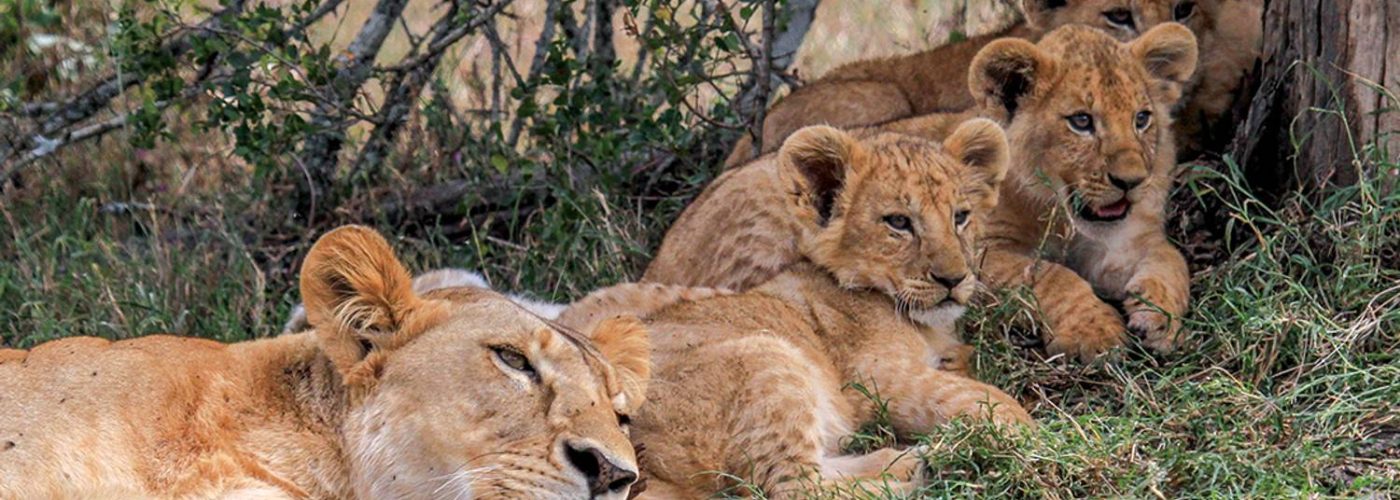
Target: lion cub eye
1183 10
1143 119
515 360
1119 17
960 217
1081 123
898 222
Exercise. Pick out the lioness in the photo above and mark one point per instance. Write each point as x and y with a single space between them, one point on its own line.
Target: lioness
455 393
932 81
760 386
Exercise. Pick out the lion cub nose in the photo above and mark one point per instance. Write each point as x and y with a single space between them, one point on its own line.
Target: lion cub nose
1125 184
603 475
949 282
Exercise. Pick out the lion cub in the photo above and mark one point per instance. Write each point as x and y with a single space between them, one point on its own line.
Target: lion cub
394 394
758 385
875 91
875 224
1082 210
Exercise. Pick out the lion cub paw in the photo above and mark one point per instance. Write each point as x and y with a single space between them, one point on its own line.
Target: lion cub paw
1151 318
1088 334
908 465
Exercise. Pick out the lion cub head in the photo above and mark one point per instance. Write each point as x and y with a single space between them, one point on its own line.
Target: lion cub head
1088 117
893 212
459 392
1126 19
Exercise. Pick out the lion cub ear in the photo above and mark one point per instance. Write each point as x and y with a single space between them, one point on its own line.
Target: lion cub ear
356 293
624 341
1169 54
980 144
1005 72
816 163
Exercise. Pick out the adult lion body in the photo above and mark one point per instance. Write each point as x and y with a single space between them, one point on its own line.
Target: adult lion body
394 395
758 386
876 91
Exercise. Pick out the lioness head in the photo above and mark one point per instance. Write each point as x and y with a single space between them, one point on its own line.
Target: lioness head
460 393
1088 117
893 212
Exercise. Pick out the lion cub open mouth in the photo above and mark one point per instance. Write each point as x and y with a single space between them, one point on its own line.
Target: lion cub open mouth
1111 212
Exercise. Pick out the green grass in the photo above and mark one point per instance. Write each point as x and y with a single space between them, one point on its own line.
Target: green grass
1287 384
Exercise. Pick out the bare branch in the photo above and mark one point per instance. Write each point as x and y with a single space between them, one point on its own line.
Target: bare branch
321 148
603 51
436 47
764 83
407 87
551 19
96 98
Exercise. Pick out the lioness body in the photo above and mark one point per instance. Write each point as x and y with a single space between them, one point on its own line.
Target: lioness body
876 91
170 416
393 395
757 387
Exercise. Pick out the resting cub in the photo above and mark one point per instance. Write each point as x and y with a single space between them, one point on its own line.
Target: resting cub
755 385
875 91
875 217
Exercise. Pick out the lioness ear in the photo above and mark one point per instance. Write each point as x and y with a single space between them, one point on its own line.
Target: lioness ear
1037 12
980 144
1005 72
356 293
624 342
1168 52
816 162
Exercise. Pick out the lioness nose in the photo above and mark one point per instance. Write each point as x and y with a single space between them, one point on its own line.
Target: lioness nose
949 282
1125 184
603 475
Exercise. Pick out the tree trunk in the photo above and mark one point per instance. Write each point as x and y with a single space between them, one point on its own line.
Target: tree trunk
1323 111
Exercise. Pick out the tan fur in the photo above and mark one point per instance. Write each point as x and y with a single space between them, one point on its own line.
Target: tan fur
824 198
876 91
1038 234
428 411
756 386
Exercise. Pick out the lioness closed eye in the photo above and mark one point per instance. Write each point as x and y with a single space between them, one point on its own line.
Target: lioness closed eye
456 393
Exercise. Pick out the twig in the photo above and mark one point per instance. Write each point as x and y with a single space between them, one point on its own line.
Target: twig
551 19
762 67
436 47
320 150
406 88
96 98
